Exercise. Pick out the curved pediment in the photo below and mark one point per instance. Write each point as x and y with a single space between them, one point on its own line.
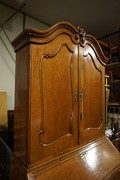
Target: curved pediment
94 44
77 35
43 36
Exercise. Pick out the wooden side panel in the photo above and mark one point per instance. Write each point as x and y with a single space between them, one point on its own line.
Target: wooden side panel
92 96
54 108
21 104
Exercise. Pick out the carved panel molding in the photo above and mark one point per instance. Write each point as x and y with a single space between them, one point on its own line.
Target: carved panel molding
42 131
90 53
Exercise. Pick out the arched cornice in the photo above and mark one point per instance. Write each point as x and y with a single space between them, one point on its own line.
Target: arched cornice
43 36
94 44
77 35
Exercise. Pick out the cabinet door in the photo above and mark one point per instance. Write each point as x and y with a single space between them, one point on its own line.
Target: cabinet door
92 96
54 101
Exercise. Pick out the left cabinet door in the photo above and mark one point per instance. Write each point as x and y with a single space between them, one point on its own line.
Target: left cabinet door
54 97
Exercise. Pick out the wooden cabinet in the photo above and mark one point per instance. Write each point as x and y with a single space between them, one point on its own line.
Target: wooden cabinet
59 96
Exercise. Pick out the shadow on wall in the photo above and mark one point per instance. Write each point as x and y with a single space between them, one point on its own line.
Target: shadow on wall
5 60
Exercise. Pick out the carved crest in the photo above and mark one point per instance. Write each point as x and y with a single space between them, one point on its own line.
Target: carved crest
80 36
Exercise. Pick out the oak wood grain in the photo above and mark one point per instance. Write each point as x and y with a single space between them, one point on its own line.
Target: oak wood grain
60 106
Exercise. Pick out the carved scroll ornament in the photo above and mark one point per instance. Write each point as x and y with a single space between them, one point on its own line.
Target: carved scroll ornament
80 36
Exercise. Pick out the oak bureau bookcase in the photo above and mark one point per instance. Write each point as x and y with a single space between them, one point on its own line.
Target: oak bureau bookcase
59 104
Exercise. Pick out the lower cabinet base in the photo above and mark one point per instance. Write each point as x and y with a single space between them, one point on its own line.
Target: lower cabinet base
98 160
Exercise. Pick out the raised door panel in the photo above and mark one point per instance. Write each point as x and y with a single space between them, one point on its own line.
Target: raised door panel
92 102
54 106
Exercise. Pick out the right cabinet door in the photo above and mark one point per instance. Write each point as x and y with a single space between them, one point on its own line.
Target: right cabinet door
91 96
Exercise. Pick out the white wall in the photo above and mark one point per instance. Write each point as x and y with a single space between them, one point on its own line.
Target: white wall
7 55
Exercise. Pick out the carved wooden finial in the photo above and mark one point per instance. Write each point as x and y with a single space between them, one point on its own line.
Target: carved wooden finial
80 36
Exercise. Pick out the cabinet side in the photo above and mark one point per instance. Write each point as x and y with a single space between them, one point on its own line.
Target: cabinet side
21 104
